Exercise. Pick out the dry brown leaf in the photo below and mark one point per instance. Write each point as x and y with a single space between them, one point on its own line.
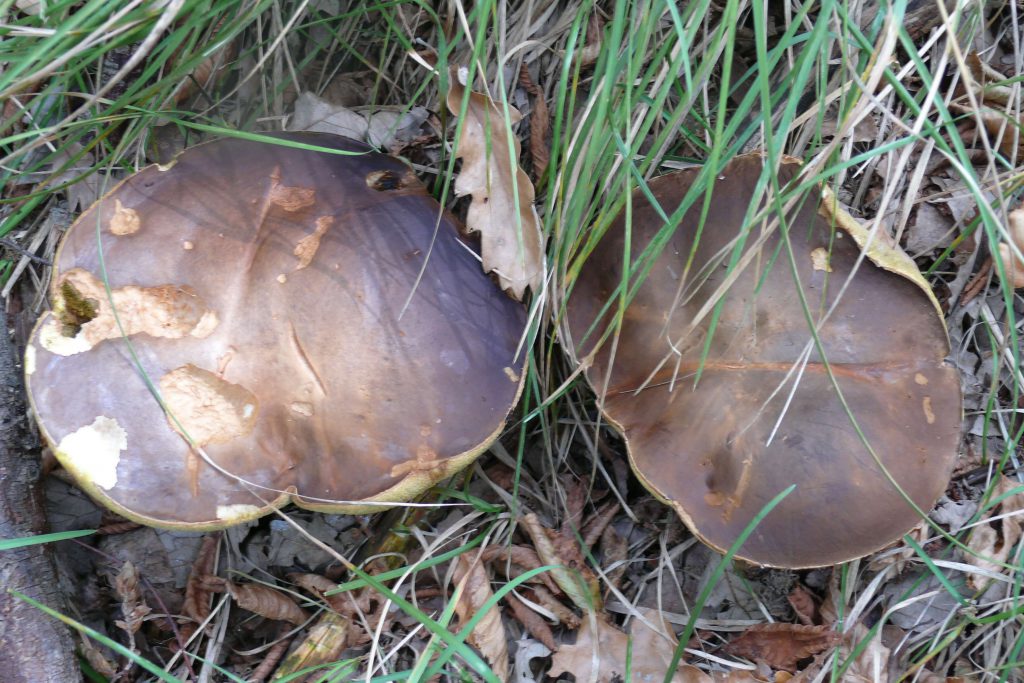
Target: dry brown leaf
346 604
209 72
96 658
502 193
260 599
547 599
900 553
986 81
871 666
197 596
597 523
615 549
998 116
538 124
1012 265
570 572
532 622
513 560
488 635
992 544
315 114
804 604
133 607
781 646
873 663
599 652
691 674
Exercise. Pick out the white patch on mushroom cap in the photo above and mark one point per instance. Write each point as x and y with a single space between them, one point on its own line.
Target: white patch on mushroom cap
207 324
820 261
30 359
93 451
51 339
239 512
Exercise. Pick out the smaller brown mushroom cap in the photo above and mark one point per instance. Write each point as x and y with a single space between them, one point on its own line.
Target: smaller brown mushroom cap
312 323
765 413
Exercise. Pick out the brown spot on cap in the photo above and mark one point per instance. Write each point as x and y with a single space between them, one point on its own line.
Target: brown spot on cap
307 247
819 260
292 198
125 221
920 379
209 409
926 405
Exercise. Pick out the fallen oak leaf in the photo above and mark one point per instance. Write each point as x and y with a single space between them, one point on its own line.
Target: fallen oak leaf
781 646
502 208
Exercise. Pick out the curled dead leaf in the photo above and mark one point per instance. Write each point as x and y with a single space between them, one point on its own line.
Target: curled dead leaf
781 646
991 541
259 599
347 604
570 573
488 635
133 608
994 111
532 622
502 209
197 595
538 123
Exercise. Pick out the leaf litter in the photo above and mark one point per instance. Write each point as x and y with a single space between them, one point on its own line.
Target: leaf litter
502 209
954 210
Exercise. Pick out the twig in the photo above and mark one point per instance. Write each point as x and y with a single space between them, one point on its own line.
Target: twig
15 247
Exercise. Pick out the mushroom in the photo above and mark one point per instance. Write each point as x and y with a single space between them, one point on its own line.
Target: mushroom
257 324
718 436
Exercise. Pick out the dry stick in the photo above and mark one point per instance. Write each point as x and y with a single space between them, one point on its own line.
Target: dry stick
22 251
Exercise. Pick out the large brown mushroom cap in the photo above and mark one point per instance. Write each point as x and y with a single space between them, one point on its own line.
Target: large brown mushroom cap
311 321
720 451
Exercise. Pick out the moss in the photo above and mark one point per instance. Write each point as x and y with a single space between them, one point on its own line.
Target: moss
74 310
